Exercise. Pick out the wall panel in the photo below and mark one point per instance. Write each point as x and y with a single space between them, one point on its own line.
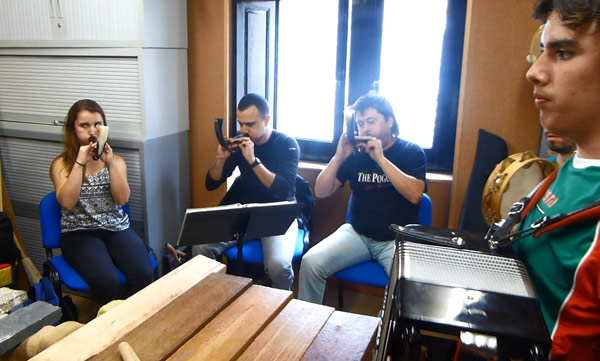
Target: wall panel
494 94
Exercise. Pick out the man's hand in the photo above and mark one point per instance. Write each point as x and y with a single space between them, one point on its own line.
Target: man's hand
216 168
327 183
222 153
374 149
247 149
344 148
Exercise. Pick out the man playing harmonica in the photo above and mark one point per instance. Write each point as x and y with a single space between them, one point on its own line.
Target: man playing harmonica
268 164
387 181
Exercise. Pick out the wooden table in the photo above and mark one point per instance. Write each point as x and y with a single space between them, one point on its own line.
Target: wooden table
197 312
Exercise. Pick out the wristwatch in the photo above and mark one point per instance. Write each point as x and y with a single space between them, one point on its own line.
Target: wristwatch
255 163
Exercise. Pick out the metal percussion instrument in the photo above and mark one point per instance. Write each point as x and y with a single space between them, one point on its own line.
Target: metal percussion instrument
512 179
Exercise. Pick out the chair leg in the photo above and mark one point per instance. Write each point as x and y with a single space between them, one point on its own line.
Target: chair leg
54 278
340 294
69 310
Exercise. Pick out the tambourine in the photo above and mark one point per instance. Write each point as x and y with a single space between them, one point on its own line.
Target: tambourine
512 179
535 48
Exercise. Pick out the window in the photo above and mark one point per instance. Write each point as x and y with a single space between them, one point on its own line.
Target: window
329 52
306 69
410 65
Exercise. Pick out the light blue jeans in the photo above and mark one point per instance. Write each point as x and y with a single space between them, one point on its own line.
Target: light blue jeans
343 248
278 252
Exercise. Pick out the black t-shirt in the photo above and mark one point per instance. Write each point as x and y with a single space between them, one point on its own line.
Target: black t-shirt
280 155
375 203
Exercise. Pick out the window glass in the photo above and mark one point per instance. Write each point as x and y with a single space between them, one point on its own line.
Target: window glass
411 52
329 52
306 68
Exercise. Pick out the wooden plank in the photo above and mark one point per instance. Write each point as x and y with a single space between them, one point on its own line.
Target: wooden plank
290 334
346 336
229 333
164 332
103 331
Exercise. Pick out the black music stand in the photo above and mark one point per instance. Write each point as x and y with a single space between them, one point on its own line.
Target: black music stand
239 222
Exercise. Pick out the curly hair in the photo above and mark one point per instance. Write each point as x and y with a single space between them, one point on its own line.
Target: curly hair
573 13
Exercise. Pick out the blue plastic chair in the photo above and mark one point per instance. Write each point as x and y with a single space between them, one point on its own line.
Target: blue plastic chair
371 273
252 250
56 268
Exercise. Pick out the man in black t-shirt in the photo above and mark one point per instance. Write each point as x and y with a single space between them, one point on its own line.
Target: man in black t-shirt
268 164
387 182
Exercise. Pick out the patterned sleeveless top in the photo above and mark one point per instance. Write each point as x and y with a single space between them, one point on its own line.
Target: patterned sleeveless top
96 208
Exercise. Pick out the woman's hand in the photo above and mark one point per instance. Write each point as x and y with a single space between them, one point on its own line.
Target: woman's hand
86 152
107 155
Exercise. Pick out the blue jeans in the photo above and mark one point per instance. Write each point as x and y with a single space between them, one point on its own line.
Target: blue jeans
343 248
278 252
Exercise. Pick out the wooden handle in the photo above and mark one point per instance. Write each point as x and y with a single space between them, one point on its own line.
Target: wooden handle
127 353
33 275
18 244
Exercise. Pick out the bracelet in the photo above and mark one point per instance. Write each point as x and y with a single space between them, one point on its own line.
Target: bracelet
83 165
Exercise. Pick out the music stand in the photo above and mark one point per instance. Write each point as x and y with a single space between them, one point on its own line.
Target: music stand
239 222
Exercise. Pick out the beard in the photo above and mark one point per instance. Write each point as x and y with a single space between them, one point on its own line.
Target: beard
562 147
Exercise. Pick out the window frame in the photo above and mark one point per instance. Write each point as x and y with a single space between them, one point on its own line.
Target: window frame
357 72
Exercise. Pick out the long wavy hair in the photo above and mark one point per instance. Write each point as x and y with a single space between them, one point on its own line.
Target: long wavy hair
71 143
